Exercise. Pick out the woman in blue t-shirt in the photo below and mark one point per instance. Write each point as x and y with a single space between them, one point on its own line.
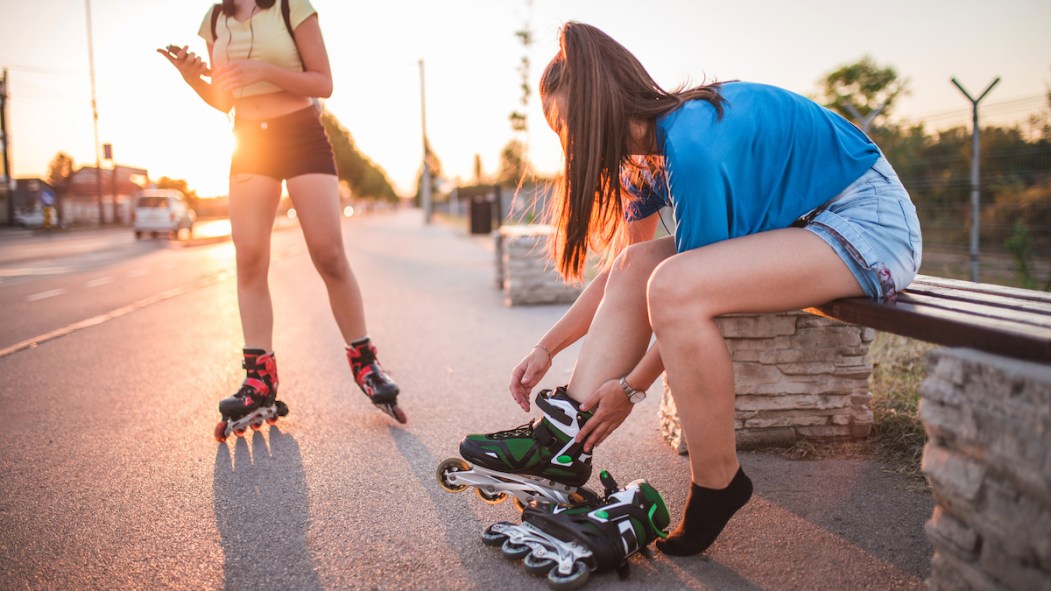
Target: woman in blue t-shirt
779 204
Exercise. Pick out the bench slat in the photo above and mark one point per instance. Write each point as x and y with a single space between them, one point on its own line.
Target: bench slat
982 288
1002 301
948 327
934 304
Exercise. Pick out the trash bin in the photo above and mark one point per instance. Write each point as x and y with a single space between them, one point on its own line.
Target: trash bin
481 215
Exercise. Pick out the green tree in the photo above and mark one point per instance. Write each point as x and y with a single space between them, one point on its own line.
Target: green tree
514 164
864 86
60 171
365 179
181 186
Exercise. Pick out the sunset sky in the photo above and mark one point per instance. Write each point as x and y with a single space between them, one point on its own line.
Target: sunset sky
156 122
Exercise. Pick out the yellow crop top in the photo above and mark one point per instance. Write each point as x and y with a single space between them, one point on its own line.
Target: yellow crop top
262 37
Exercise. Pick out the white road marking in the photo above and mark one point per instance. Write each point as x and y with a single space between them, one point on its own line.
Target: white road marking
100 282
45 295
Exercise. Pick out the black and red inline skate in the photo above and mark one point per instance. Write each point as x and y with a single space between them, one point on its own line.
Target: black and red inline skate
256 401
374 380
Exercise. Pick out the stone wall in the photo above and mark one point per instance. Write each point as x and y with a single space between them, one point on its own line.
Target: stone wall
796 375
988 460
525 272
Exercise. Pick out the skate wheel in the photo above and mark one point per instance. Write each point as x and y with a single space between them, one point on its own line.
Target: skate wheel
257 425
493 538
271 420
239 432
220 432
537 566
491 498
576 578
399 414
513 551
519 505
448 467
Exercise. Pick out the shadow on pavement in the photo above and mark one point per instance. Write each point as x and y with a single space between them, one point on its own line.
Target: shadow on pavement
449 506
262 513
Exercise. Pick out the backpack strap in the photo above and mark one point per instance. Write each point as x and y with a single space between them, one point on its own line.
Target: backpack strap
218 8
286 13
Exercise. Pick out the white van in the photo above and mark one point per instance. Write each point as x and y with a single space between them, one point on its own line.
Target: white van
161 211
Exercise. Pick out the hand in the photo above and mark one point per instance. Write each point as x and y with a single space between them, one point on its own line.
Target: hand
528 374
611 407
241 73
190 66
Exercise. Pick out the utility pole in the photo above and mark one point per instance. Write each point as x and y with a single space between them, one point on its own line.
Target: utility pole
975 166
4 146
425 190
95 116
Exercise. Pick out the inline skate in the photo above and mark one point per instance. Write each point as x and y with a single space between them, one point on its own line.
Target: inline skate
538 462
256 401
568 544
373 379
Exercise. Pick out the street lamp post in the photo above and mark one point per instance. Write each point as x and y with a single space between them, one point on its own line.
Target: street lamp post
95 115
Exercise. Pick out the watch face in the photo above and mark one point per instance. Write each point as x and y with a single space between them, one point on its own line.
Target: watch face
637 396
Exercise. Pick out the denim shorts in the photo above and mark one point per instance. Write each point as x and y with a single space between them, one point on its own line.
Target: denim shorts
873 227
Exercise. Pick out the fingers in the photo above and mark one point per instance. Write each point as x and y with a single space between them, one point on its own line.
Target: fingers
519 391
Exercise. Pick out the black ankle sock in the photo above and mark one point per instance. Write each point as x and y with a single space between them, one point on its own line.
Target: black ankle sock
706 514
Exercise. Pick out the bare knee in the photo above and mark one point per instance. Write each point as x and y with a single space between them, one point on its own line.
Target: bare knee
252 265
674 297
632 267
331 263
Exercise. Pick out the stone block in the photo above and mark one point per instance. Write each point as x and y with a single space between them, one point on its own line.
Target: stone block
952 474
950 534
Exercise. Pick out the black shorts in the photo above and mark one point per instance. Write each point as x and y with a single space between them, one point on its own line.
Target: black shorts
282 147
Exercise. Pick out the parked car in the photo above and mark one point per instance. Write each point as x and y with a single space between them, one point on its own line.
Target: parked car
30 219
159 211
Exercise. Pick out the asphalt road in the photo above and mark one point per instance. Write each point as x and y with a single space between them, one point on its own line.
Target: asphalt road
110 478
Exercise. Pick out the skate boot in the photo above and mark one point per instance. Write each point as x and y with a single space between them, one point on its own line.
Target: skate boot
256 401
373 380
568 544
538 462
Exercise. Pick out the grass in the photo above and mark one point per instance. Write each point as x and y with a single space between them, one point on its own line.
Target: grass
898 370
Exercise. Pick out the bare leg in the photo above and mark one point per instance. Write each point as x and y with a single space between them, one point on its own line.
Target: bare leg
253 205
620 331
316 197
768 272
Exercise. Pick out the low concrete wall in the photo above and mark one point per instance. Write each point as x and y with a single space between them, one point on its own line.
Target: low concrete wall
523 270
988 460
796 375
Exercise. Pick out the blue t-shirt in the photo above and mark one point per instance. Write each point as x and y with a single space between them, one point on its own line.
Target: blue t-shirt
773 157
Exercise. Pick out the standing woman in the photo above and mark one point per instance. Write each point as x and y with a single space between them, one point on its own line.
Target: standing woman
779 204
269 68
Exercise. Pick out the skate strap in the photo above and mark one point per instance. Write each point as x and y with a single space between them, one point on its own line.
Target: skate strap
259 385
553 411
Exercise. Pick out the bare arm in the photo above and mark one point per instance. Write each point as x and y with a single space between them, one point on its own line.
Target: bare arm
193 71
572 326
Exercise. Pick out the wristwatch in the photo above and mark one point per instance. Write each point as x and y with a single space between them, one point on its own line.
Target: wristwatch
635 396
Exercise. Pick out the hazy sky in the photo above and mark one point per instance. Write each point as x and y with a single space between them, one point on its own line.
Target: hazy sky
155 121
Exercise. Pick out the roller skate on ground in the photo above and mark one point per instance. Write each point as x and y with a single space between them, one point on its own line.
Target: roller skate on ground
568 544
373 380
538 462
256 401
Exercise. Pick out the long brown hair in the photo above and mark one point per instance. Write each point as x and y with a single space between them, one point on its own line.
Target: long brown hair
605 88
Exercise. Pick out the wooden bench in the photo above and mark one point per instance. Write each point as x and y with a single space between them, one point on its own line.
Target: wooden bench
1015 323
986 409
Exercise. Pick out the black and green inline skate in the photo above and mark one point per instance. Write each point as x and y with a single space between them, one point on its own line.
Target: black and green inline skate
567 544
538 462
